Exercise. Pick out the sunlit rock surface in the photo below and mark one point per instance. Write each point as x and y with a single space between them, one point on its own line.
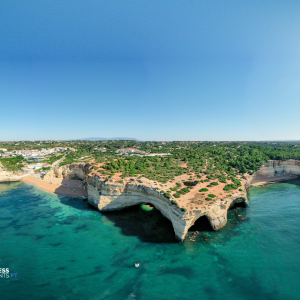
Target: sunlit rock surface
113 195
279 167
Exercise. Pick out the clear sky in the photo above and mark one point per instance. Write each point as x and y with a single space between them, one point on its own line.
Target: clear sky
152 70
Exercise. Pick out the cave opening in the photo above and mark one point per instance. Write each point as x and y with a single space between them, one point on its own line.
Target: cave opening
201 224
238 204
144 221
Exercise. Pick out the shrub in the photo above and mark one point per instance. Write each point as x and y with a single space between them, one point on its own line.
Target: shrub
203 190
167 195
183 209
212 196
178 184
174 202
173 189
177 195
235 181
214 183
241 190
184 191
121 181
222 179
208 199
229 187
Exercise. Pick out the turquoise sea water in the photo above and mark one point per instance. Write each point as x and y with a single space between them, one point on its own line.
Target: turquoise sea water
61 248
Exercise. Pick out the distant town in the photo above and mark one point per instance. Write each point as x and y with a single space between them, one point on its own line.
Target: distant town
36 159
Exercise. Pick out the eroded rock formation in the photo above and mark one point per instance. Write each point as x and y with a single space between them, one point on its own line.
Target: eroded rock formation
76 170
113 195
11 176
279 167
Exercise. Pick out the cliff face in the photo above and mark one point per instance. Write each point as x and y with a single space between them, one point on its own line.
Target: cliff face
112 195
78 170
11 176
279 167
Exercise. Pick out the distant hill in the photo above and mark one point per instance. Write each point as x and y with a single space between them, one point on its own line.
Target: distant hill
102 139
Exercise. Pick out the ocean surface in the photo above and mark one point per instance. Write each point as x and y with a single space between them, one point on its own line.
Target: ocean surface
61 248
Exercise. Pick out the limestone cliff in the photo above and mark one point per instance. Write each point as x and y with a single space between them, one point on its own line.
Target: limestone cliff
78 170
11 176
279 167
112 195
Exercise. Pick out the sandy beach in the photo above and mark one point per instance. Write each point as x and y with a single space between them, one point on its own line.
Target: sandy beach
69 187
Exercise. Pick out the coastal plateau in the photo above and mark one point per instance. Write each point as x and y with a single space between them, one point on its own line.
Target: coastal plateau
113 195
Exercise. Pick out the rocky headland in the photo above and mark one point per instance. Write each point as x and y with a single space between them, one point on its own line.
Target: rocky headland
108 195
113 195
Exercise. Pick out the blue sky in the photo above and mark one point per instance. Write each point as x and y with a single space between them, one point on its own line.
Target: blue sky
153 70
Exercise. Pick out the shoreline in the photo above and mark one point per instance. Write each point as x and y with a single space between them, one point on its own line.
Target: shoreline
58 186
264 180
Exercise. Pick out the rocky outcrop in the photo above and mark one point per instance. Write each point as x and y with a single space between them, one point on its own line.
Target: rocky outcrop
274 168
112 195
11 176
78 170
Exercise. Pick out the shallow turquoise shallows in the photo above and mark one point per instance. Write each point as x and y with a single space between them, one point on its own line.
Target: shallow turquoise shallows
62 248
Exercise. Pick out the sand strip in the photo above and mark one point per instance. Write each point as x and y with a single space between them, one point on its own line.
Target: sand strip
262 180
68 187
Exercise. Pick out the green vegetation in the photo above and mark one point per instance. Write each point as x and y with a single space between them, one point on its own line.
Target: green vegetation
208 199
212 196
70 158
13 164
229 187
52 158
167 195
45 168
212 162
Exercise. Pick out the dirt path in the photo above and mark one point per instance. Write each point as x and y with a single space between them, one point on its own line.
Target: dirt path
57 162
